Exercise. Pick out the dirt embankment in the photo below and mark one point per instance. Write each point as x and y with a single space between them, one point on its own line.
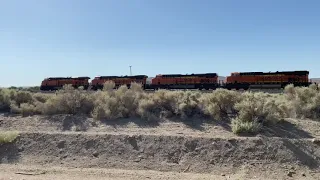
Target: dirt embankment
165 153
167 147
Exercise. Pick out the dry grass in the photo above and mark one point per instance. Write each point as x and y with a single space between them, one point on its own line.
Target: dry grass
305 101
8 137
247 112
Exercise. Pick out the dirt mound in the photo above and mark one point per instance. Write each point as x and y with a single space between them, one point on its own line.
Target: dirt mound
164 153
287 149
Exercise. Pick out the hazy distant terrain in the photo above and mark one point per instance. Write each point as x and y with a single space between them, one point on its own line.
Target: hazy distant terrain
317 80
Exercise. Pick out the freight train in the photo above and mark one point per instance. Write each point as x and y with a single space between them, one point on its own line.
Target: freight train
205 81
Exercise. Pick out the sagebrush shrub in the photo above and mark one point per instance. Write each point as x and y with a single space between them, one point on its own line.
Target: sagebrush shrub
15 109
68 101
262 107
120 103
5 99
220 103
28 109
188 105
148 110
108 86
41 97
106 106
304 101
248 111
8 137
161 104
23 97
250 127
19 101
258 109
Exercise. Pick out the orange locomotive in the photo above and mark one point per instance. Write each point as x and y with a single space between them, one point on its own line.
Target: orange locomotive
97 82
242 80
260 80
179 81
55 83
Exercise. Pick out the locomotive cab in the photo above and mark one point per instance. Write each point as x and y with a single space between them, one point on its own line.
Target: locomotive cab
232 78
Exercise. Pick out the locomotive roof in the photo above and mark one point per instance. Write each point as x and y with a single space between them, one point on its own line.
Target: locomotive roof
277 72
63 78
187 75
136 77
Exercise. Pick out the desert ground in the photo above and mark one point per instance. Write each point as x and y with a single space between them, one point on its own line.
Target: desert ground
132 134
77 147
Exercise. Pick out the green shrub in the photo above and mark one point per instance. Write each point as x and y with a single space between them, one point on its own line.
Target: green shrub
148 110
248 111
23 97
41 97
220 103
28 109
304 101
5 99
245 127
8 137
68 101
261 106
188 105
258 109
161 104
108 86
120 103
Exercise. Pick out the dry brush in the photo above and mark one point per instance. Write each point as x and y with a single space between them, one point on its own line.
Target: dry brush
246 112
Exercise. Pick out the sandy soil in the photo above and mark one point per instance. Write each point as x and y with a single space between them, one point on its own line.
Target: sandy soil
18 172
291 128
68 147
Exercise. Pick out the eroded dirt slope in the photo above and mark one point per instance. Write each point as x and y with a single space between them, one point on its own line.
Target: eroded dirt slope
198 148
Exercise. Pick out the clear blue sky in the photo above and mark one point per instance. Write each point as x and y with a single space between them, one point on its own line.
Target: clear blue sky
103 37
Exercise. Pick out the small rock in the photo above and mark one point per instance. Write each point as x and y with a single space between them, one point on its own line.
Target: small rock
93 123
61 144
316 141
141 150
303 174
137 160
223 175
290 174
21 149
95 154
